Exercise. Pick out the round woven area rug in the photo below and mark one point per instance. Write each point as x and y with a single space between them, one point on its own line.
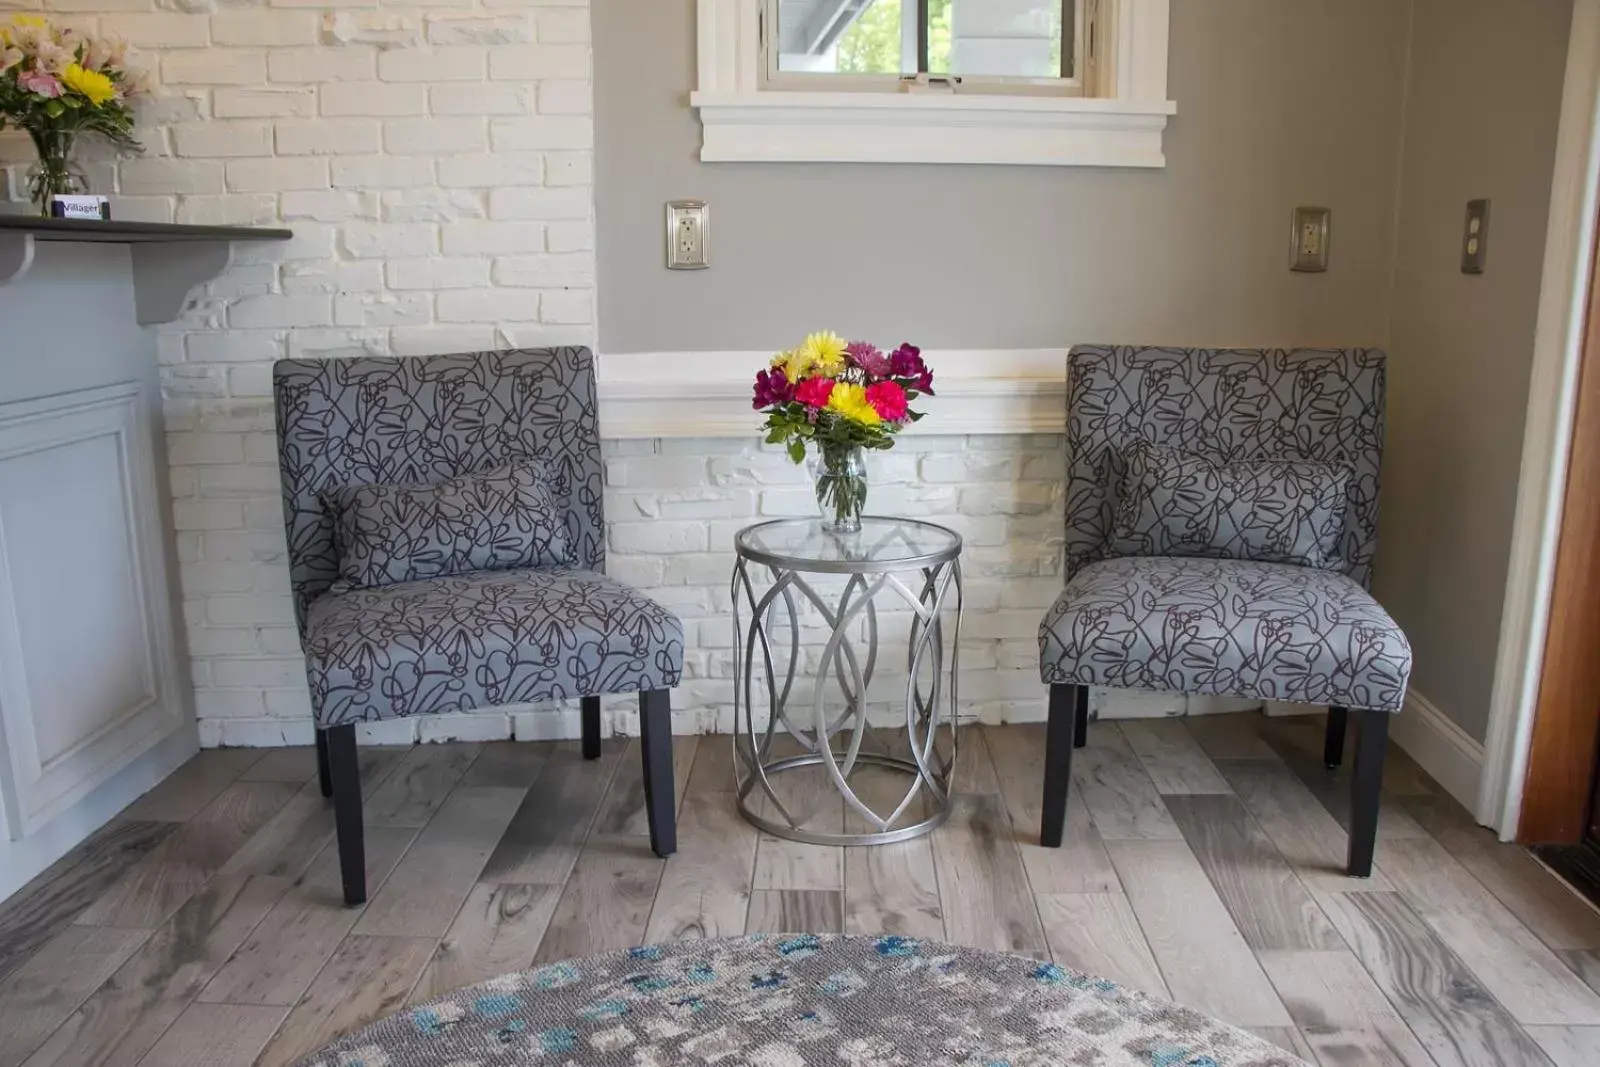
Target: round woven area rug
802 1000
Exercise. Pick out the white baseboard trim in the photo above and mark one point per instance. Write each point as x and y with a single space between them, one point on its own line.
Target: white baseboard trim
1440 747
707 394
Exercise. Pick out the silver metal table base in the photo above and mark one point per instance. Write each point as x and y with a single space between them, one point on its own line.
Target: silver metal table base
878 561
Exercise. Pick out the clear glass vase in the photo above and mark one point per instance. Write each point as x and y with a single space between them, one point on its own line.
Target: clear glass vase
841 475
54 173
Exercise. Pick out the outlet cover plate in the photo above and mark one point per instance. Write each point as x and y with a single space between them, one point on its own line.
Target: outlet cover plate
1308 239
1475 237
688 235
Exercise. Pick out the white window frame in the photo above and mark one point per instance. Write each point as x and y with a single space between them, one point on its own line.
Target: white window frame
1122 125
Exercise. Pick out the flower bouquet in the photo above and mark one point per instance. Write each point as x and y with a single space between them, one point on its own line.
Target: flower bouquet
842 399
56 84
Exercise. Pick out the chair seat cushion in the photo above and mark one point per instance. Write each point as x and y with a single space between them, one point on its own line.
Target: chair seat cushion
484 639
1265 631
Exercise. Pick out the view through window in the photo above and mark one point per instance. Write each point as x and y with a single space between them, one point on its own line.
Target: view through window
1018 39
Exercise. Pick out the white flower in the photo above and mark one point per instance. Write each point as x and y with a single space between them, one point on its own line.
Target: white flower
52 58
9 57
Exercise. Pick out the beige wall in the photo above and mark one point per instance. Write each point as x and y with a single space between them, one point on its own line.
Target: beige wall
1483 100
1272 113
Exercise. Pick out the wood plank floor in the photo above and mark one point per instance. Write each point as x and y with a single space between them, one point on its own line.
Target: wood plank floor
204 925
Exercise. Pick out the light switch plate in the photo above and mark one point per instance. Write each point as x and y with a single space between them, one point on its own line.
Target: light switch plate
1475 237
1308 239
688 235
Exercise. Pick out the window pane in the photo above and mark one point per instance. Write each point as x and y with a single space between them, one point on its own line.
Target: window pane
846 36
1001 38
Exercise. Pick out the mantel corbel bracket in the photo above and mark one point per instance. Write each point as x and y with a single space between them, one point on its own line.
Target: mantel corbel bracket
164 274
16 256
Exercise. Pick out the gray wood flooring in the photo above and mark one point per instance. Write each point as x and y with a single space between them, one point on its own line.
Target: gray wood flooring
1201 863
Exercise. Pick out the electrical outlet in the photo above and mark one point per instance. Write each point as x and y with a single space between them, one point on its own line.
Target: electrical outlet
1475 237
1308 239
688 235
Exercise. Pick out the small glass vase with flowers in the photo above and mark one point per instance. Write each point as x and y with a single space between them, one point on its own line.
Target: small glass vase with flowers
57 84
835 401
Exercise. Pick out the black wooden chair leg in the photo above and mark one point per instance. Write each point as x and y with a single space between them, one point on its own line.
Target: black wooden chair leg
323 778
1069 714
346 776
1080 718
1366 787
591 727
655 741
1333 740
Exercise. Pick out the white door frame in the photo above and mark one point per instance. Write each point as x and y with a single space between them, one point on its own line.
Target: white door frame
1552 388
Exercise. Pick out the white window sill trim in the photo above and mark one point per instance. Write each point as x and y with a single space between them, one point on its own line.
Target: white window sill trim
806 127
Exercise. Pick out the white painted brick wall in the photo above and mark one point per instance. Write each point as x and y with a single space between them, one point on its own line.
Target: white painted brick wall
434 160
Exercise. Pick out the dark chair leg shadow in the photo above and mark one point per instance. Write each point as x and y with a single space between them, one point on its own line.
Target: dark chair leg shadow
655 742
1333 738
346 780
1366 787
323 778
1068 729
591 727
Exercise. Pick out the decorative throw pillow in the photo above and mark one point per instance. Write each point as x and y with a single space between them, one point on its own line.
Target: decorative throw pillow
1171 503
494 520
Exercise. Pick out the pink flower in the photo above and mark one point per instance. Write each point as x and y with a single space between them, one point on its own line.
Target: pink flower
814 392
41 84
869 358
888 400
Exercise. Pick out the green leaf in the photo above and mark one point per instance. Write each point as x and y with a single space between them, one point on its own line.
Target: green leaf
797 450
54 109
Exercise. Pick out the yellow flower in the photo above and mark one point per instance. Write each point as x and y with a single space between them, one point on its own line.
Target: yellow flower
89 83
850 401
825 351
794 364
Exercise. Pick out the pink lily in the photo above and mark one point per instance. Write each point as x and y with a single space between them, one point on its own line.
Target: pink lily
39 83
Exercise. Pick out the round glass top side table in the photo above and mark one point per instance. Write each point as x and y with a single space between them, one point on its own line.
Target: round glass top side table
888 751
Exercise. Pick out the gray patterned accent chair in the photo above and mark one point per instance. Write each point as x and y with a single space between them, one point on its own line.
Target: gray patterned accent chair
466 640
1201 622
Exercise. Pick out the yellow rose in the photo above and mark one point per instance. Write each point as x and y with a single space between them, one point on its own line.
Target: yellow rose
93 85
850 401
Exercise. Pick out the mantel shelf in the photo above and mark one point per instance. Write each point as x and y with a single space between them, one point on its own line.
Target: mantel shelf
168 260
132 233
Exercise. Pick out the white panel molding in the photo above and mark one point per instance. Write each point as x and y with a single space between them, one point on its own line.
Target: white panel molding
648 394
744 121
1440 747
36 786
1552 396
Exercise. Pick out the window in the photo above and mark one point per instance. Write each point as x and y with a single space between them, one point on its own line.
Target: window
1017 43
1032 82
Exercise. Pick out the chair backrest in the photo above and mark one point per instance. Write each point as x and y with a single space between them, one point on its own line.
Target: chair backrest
1226 404
424 419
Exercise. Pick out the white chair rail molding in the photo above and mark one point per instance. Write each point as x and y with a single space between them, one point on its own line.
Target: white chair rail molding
1040 82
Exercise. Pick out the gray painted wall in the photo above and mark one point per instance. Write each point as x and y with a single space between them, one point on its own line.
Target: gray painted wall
1482 106
1020 257
1015 257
